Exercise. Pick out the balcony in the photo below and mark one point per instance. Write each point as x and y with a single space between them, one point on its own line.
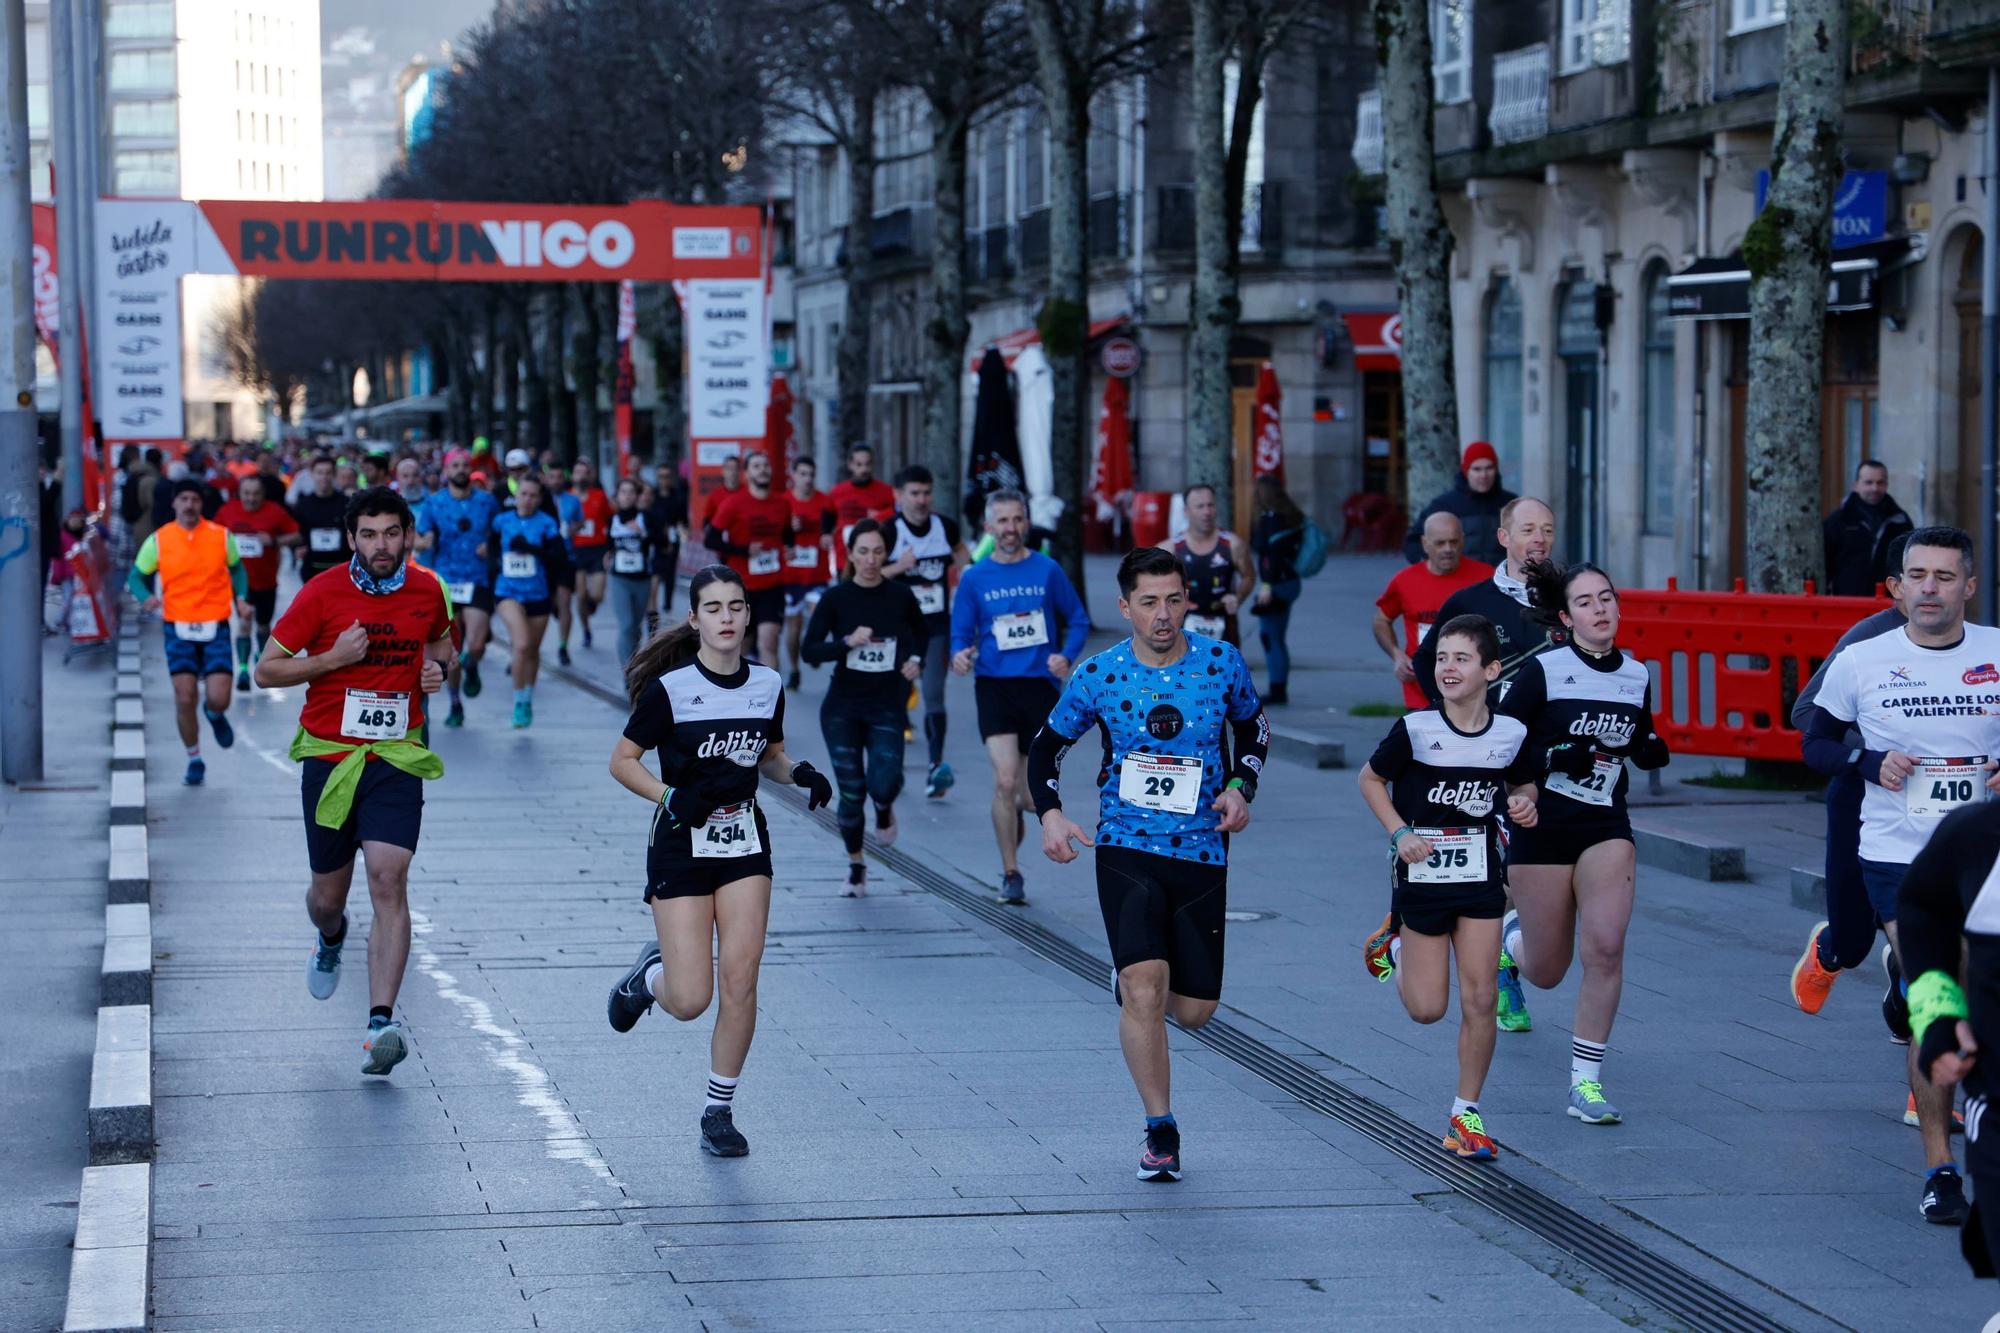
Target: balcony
1686 56
1520 95
1367 151
899 232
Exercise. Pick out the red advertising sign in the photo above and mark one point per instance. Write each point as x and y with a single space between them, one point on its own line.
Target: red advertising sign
1378 338
46 290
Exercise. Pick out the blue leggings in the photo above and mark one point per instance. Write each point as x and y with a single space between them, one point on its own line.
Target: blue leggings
865 744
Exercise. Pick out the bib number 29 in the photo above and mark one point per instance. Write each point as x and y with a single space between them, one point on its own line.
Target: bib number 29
1162 787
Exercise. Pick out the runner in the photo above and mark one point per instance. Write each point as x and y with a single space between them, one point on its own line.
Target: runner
1446 767
1415 593
731 483
1585 705
1527 533
202 581
1165 809
455 525
750 530
806 558
1003 624
1924 699
529 542
567 509
717 723
373 639
870 628
925 547
260 529
1219 572
631 548
667 516
589 540
861 494
321 511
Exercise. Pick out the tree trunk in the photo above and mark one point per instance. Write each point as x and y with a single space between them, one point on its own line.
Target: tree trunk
1064 319
587 357
1213 304
1420 245
946 332
507 424
562 399
851 420
484 416
535 388
670 417
1787 250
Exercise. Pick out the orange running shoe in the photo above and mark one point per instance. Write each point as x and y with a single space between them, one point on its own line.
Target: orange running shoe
1466 1136
1375 954
1910 1116
1811 982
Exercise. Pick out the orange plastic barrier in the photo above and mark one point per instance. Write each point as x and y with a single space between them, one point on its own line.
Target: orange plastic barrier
1727 666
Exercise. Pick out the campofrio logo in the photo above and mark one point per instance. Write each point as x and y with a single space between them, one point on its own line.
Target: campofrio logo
1983 674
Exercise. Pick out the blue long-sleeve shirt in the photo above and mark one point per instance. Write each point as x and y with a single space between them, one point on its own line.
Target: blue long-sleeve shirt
1019 604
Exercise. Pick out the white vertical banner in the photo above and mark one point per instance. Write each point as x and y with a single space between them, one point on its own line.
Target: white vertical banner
144 247
729 361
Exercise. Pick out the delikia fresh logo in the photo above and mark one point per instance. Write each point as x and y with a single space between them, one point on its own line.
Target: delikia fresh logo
1983 674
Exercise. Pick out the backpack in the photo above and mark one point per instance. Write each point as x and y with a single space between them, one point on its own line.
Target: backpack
1312 550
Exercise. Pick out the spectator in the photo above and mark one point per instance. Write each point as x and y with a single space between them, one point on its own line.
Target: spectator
1858 534
1476 501
1275 538
1417 592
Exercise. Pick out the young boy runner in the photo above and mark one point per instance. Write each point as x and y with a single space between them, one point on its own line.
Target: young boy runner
1435 783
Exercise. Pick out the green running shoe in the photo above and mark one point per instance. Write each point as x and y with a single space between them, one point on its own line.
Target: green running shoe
1512 1010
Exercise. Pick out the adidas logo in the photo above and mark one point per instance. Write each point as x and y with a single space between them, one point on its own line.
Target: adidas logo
1567 680
1437 745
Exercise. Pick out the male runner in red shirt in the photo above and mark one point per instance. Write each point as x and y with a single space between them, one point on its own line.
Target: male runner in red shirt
590 540
750 531
261 526
861 495
806 559
1416 594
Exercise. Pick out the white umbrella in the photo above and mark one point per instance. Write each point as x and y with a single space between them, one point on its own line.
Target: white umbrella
1034 407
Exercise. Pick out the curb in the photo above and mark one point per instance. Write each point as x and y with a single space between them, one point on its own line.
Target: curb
1809 888
1689 854
1311 748
109 1275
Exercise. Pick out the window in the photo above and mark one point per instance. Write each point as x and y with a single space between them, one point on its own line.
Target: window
1451 51
1034 164
1595 32
994 172
149 171
38 110
1251 235
151 119
133 71
1657 375
1745 15
1503 376
139 18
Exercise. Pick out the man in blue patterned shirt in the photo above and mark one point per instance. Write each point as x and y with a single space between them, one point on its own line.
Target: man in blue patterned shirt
1171 707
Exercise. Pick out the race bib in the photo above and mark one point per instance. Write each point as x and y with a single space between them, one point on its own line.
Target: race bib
460 592
1021 629
249 545
373 715
766 562
1594 789
195 631
1160 782
324 539
628 562
1423 630
1936 787
587 528
1458 856
729 832
1213 626
930 598
518 564
805 557
877 656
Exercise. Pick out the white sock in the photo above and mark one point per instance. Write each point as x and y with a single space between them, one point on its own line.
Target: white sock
653 974
721 1091
1586 1061
1512 944
194 751
1395 950
1459 1106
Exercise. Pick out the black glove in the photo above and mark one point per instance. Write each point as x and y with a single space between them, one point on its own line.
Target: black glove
520 544
818 790
688 807
1572 759
1650 752
1940 1038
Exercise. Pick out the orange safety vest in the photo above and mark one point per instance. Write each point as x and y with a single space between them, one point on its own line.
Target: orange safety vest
194 572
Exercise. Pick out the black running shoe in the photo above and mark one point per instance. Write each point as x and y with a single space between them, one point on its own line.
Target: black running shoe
720 1136
562 654
1895 1004
630 999
792 681
1160 1159
857 880
1013 888
472 682
1944 1198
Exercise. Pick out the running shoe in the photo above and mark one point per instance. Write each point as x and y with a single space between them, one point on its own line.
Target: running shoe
528 712
1944 1202
885 826
857 880
323 968
1511 1005
588 641
385 1046
196 772
1375 955
242 680
1811 982
521 718
562 653
1013 889
472 680
792 681
1910 1116
940 780
630 998
1160 1159
719 1134
1895 1004
456 717
1586 1103
225 735
1466 1136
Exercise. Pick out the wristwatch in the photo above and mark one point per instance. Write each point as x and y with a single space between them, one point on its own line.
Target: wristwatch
1247 786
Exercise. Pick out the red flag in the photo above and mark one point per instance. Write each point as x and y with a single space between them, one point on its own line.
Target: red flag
779 445
47 291
1268 437
621 394
1111 478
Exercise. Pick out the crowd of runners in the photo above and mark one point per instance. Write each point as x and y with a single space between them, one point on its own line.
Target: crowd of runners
1501 792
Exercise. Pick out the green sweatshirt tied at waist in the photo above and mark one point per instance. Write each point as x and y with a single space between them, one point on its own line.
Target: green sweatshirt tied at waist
336 799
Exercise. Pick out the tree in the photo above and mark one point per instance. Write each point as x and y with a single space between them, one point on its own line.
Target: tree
1787 250
1420 245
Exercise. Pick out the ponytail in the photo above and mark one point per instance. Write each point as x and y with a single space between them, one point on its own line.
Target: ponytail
1548 588
675 647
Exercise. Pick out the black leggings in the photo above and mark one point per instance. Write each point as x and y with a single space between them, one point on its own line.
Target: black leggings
865 743
1850 920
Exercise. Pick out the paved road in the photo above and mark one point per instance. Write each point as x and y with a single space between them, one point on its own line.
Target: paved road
941 1120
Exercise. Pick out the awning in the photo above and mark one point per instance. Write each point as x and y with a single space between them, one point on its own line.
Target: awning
1720 288
1010 345
1377 336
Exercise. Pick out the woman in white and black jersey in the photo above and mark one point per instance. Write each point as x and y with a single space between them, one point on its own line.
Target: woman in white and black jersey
717 723
1587 709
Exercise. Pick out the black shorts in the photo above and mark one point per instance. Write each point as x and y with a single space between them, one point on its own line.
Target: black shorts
263 606
1436 909
1162 908
674 871
482 600
1014 706
1564 844
801 598
388 807
767 606
590 559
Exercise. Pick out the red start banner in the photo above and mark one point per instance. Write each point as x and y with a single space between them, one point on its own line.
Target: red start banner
471 242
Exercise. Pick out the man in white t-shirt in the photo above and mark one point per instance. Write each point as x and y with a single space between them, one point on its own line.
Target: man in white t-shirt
1926 700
